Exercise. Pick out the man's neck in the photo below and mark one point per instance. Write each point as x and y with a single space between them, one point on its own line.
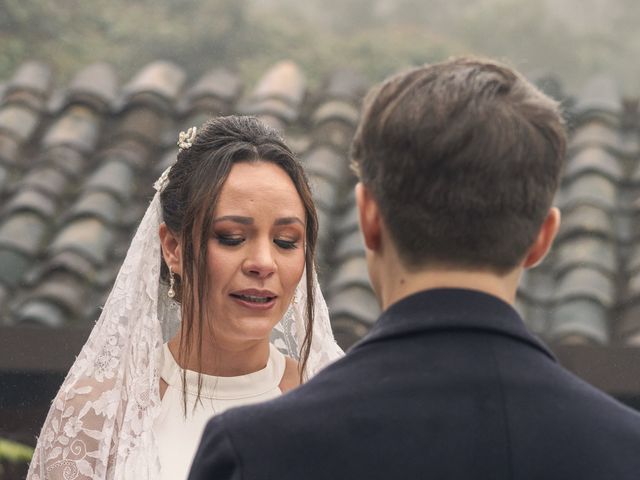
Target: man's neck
401 283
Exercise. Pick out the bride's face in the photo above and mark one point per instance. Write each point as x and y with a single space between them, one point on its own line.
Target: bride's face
255 255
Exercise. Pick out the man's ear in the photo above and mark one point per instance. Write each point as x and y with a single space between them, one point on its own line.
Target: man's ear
544 240
171 250
369 216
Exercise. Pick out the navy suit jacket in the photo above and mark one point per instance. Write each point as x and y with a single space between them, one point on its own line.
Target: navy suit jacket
448 384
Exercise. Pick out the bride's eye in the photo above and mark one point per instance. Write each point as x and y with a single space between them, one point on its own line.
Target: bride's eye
229 240
286 244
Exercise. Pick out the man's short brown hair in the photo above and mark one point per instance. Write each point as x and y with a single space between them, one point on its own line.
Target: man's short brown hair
463 158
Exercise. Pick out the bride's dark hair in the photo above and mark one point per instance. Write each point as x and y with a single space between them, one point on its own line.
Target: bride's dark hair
189 200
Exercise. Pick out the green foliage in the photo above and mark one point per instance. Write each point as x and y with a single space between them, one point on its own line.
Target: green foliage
14 452
71 34
572 38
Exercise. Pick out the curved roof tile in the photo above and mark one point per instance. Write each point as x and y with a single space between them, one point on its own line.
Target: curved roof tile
579 317
88 237
18 121
600 98
158 84
30 85
78 128
96 86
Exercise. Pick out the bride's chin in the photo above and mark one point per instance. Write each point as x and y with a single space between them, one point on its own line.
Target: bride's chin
255 326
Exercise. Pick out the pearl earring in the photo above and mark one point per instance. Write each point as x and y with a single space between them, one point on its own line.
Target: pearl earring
172 283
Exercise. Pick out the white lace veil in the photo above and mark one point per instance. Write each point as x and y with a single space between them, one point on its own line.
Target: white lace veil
100 423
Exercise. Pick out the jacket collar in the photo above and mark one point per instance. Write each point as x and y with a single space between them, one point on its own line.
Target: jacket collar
452 309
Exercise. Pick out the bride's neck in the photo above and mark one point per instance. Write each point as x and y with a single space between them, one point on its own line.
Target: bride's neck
222 359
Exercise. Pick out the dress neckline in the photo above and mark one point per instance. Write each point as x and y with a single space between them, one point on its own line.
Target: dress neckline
214 387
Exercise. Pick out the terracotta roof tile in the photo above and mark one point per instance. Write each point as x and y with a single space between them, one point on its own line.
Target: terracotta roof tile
65 159
31 85
586 251
579 317
324 192
9 147
600 98
594 160
18 121
335 133
215 93
348 85
47 179
598 134
89 237
68 262
115 177
538 285
325 162
159 85
590 189
141 124
14 265
336 110
351 245
628 328
63 290
96 86
97 204
586 219
632 292
4 178
278 97
586 283
632 264
351 272
284 81
31 201
357 303
24 232
41 313
78 128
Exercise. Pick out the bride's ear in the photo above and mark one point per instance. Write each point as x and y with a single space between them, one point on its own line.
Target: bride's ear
171 250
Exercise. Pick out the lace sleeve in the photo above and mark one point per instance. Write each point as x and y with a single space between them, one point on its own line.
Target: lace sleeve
70 443
100 423
98 419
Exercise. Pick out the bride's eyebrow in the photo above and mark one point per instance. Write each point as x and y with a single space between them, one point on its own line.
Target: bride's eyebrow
234 218
249 220
288 221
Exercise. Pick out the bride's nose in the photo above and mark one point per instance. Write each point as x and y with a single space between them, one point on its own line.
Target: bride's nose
260 261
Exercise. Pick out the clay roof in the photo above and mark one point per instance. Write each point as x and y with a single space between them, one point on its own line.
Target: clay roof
77 164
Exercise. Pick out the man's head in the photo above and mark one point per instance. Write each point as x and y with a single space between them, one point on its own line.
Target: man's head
462 159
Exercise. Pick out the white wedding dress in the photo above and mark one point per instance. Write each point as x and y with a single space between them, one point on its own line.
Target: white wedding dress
178 435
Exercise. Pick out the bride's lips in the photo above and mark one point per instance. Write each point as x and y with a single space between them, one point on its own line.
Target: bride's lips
254 299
